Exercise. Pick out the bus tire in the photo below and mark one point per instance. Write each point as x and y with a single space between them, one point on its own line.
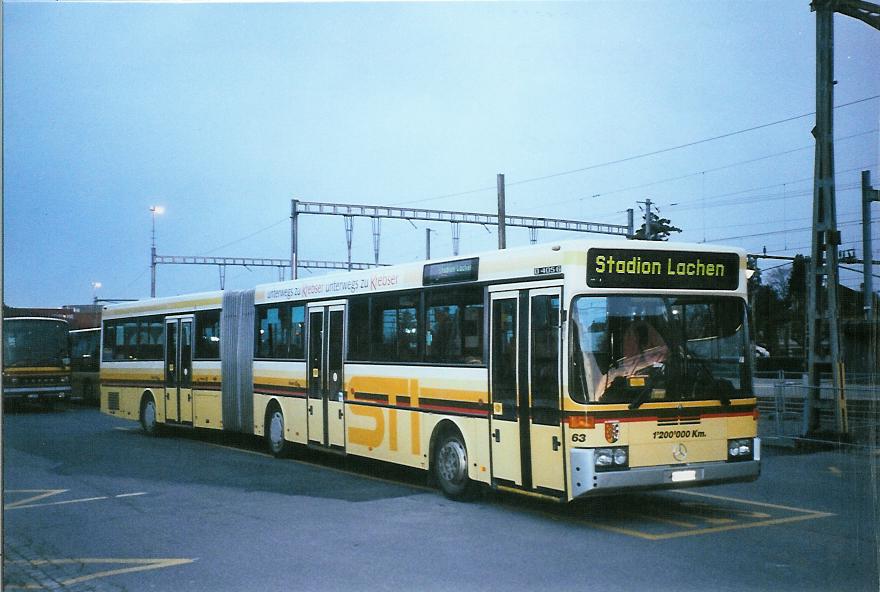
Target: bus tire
148 416
275 442
451 467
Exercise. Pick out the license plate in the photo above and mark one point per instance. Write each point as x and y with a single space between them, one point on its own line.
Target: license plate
33 396
681 476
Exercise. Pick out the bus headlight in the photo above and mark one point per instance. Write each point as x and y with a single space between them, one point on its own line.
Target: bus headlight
611 459
740 449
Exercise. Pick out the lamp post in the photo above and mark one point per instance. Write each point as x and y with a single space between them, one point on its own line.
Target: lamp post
153 211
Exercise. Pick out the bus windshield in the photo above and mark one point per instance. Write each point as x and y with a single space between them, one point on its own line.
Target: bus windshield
638 349
35 342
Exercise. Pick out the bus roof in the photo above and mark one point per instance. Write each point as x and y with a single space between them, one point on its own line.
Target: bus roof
517 262
51 319
185 302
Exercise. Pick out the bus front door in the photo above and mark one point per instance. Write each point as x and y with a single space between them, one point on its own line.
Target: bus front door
526 421
326 405
178 369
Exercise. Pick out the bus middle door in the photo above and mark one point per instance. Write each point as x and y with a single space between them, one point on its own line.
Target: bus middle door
178 369
326 386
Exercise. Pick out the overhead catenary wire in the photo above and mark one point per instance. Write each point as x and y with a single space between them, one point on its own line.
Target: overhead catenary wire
724 167
510 183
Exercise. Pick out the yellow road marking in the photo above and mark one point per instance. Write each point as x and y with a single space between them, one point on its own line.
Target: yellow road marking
41 494
738 526
699 531
749 502
721 524
705 511
663 519
136 565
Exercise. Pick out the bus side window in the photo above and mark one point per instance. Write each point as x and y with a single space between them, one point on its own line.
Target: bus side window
208 335
359 328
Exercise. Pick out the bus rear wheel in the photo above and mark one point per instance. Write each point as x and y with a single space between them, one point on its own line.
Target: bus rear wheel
451 467
275 441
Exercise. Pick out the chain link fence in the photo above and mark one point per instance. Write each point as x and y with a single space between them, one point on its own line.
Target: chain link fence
783 400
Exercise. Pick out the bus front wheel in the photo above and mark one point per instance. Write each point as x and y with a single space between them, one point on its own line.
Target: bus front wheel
149 423
451 467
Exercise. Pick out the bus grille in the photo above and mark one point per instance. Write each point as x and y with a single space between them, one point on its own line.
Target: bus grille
681 420
113 401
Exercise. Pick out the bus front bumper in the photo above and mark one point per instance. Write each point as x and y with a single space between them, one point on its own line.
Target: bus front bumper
586 481
43 393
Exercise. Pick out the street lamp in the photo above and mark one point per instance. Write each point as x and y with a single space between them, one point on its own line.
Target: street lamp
95 287
153 211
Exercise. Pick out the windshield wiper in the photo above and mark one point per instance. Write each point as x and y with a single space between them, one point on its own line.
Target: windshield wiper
640 398
712 382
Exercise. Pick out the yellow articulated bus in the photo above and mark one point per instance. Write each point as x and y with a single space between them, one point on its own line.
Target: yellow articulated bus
562 370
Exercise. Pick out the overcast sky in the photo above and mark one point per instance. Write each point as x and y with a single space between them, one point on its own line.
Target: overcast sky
221 113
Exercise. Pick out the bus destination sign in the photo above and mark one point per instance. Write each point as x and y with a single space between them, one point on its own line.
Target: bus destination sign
683 270
451 272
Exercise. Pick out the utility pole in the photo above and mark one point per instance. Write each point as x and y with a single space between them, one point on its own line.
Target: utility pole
428 232
824 322
349 231
153 211
823 326
502 218
377 230
868 195
293 223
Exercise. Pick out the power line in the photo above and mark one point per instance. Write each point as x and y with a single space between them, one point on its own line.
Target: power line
637 156
678 205
238 240
680 146
772 232
728 166
757 198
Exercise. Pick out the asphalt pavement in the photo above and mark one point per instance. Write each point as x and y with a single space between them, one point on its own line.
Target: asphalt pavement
92 503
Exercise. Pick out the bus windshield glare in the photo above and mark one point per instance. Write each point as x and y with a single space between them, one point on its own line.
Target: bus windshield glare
29 343
640 349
